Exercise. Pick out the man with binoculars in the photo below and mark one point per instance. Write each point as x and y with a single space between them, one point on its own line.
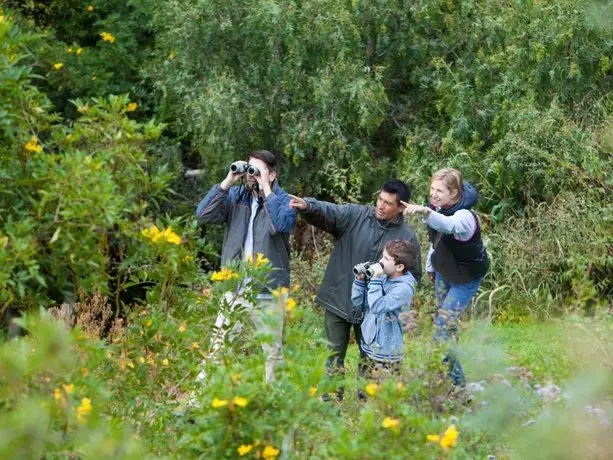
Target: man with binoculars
258 220
360 233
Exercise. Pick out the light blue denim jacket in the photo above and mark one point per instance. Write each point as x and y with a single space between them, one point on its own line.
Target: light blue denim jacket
383 299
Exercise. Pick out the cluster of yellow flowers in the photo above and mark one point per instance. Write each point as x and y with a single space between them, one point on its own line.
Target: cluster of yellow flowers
157 236
280 293
131 107
224 274
84 410
33 145
268 453
448 440
236 401
390 423
108 37
77 52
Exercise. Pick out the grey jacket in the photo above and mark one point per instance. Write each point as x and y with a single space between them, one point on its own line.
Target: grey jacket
360 237
272 226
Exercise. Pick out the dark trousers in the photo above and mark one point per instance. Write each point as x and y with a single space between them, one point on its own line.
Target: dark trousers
338 331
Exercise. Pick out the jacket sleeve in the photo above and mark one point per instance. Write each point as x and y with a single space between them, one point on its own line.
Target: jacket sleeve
215 206
462 224
416 271
332 218
393 300
282 218
358 294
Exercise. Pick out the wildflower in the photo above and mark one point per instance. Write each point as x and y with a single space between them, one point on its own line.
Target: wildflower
270 452
168 235
84 409
244 449
291 304
58 65
68 388
259 261
390 423
371 389
90 8
224 274
165 362
153 233
280 292
57 394
69 50
78 51
240 401
181 328
312 391
195 346
449 438
108 37
132 107
33 145
217 403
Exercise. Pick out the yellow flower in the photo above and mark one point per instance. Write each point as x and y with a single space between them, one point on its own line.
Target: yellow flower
84 409
280 292
224 274
260 260
291 304
270 452
371 389
170 236
153 233
33 145
132 107
69 50
217 403
244 449
108 37
312 391
165 362
57 394
195 345
240 401
450 437
390 423
171 56
181 328
78 51
68 388
58 65
90 8
433 438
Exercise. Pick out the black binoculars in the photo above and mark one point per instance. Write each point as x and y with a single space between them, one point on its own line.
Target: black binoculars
242 167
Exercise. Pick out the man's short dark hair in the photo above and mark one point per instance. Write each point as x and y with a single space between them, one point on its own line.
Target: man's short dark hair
403 252
401 189
267 157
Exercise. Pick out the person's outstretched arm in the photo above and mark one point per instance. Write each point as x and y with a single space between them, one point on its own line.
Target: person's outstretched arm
332 218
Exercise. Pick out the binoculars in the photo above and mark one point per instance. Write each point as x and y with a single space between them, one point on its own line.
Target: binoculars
242 167
366 268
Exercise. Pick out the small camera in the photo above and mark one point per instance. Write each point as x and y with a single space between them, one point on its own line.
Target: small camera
365 268
240 167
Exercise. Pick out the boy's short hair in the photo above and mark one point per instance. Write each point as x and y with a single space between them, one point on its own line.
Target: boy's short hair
402 252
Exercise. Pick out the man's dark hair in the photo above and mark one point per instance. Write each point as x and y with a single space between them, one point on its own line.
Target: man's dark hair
402 252
267 157
401 189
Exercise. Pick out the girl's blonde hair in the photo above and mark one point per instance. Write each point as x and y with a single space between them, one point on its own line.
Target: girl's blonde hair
453 179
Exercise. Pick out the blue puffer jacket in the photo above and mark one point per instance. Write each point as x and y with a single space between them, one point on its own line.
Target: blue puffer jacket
383 299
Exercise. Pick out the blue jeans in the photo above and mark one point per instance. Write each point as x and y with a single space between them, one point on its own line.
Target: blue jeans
451 300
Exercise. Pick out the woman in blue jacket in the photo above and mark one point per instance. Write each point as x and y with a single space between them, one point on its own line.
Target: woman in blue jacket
457 260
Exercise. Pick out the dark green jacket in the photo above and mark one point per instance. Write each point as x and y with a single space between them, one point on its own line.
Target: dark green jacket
359 237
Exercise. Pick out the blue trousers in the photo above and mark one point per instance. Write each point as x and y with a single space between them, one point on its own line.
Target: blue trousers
451 300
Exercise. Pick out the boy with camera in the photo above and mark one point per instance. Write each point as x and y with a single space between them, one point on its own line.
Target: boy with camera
383 290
